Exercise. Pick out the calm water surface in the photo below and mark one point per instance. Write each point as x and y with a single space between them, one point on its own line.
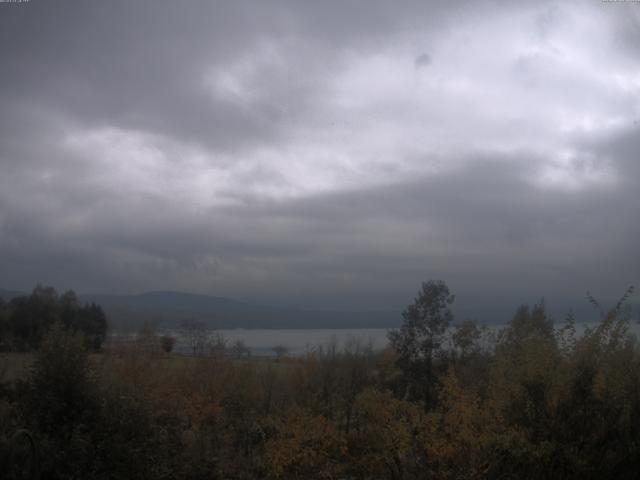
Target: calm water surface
297 342
301 341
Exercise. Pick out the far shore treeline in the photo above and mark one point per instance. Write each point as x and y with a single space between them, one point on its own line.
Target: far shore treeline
24 320
444 400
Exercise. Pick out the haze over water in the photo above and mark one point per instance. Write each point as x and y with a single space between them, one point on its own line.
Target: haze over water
301 341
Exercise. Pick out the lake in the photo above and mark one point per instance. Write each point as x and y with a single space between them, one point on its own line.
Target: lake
296 341
299 341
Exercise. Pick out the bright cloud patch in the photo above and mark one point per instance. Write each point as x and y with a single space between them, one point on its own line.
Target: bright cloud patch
531 81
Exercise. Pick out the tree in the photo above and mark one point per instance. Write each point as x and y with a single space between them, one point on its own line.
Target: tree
304 445
385 438
167 342
4 325
30 317
147 339
62 383
196 334
527 325
84 428
218 344
280 351
463 434
89 319
419 340
466 337
92 322
240 349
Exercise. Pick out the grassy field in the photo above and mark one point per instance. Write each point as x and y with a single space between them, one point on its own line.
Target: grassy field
16 366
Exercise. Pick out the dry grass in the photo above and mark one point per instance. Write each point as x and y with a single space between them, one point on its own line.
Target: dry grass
15 366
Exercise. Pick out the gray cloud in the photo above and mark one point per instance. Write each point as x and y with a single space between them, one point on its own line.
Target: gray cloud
294 153
423 60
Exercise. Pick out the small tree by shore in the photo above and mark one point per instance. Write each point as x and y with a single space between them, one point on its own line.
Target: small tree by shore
167 342
280 351
196 334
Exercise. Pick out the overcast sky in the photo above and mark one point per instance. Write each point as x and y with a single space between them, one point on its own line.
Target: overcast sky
321 153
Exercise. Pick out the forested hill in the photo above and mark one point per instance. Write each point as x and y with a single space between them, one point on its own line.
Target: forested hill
168 308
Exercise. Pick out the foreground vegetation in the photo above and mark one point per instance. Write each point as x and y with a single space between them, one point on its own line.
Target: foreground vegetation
532 402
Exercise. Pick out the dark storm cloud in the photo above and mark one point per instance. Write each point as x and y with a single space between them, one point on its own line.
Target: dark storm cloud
128 64
316 152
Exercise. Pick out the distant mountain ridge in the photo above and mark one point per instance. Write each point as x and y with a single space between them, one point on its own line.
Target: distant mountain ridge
9 294
168 308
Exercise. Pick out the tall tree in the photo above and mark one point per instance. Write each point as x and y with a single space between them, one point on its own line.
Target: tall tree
418 342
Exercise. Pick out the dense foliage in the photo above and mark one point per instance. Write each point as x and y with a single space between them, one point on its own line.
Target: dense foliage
531 401
24 320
